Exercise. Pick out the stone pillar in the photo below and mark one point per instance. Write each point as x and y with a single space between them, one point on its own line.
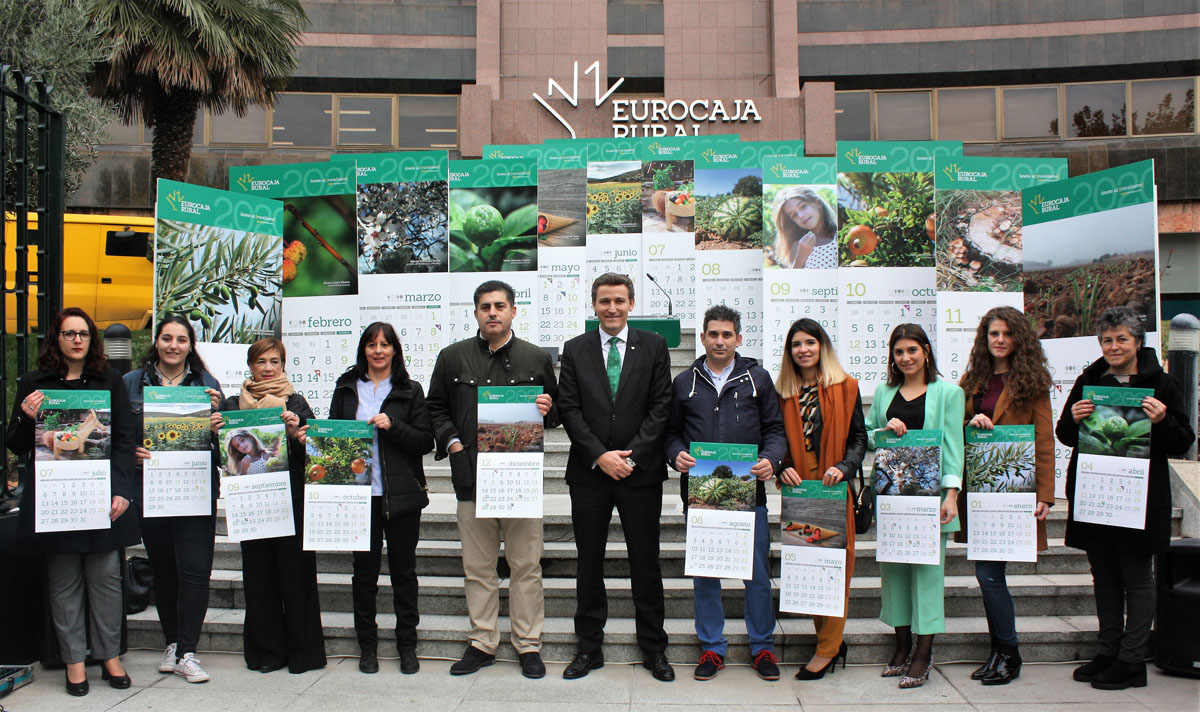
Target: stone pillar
785 62
819 118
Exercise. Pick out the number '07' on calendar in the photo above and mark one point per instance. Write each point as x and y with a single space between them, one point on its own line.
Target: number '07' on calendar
1113 473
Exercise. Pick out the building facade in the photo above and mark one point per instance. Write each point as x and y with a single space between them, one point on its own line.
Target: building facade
1100 83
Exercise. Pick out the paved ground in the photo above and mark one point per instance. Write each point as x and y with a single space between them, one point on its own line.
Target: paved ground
1044 687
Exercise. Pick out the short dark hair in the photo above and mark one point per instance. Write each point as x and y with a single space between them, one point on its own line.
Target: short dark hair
1116 317
495 285
721 312
372 332
913 332
263 345
611 279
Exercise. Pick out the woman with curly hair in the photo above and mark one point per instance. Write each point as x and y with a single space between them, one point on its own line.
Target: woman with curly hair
805 229
1007 383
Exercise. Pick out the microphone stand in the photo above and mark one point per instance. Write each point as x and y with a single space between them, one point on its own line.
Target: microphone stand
670 306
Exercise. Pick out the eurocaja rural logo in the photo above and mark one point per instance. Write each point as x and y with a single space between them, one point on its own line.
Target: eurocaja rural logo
959 176
181 204
711 156
779 171
1041 206
858 158
246 182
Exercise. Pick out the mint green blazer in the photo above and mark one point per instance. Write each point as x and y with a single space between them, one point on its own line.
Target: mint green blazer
945 410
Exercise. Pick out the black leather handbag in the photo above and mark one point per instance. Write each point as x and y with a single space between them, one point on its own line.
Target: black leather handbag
137 580
864 503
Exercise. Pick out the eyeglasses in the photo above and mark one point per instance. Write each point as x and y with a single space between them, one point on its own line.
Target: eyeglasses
76 335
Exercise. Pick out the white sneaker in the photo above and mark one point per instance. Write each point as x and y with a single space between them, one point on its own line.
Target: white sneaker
167 664
189 668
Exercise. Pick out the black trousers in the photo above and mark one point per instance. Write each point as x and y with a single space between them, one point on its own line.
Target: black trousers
1124 588
283 607
403 531
180 550
640 509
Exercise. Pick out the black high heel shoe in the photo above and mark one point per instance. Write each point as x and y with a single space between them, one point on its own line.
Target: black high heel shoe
77 689
117 682
831 667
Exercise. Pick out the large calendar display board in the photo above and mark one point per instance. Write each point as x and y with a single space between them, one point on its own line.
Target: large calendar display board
978 231
1091 242
562 306
885 247
218 258
800 275
320 267
403 249
493 236
729 233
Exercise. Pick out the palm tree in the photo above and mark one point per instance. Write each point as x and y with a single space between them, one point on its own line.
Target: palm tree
170 57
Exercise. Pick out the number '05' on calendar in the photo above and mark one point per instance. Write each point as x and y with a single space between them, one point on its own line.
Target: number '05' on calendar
178 477
1000 486
720 511
814 537
510 443
72 461
337 485
1113 473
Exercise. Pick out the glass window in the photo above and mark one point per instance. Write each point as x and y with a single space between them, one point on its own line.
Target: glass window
1095 109
119 134
853 116
1031 113
1164 106
230 128
364 121
902 116
303 120
127 243
428 122
967 114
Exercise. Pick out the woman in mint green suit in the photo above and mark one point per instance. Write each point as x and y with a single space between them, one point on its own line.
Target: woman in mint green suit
915 398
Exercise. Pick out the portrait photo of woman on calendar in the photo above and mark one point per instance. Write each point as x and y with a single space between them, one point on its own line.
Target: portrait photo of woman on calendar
805 229
254 451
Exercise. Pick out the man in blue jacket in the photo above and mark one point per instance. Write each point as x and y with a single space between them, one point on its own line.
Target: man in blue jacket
727 398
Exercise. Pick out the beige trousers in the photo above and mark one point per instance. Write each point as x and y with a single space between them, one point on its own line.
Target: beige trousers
523 545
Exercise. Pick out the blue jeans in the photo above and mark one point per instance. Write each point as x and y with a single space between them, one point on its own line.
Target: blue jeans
997 601
760 606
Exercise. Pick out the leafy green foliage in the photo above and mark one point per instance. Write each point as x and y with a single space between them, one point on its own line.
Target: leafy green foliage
999 467
335 460
486 238
894 206
1117 432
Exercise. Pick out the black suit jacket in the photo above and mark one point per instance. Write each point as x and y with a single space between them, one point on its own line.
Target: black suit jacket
636 421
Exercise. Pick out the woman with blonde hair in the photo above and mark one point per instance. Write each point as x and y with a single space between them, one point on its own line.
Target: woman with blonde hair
805 229
827 438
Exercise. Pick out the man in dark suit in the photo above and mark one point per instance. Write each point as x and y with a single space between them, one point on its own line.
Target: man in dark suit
614 398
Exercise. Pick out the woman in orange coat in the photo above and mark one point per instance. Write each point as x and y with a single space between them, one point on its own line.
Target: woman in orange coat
1007 383
827 438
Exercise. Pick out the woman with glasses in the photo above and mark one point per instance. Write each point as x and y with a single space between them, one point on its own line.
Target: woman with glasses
83 566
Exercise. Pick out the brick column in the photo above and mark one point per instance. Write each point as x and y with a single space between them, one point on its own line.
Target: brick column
785 62
819 118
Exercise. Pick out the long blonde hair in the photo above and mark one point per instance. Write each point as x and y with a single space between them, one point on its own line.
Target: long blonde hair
788 233
829 368
234 457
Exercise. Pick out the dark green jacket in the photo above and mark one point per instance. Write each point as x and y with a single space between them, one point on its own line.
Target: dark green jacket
453 400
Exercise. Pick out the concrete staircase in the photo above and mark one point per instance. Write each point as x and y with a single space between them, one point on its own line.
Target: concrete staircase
1055 608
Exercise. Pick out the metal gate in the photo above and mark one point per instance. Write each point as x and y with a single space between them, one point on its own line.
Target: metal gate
32 153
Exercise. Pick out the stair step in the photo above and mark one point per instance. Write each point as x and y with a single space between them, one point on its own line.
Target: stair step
1043 638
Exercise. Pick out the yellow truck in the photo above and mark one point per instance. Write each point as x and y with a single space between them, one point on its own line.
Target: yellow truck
107 265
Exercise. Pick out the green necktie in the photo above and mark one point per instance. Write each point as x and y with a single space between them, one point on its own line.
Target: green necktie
614 365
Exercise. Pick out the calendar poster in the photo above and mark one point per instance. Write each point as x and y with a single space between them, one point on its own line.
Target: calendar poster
907 482
254 474
177 479
613 205
729 233
253 442
72 453
320 267
1001 493
978 240
510 443
1090 243
885 247
1113 473
814 538
669 227
720 510
403 250
337 485
217 262
799 199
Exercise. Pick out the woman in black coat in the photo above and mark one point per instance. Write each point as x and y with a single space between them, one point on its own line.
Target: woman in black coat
377 389
83 566
1121 557
283 609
